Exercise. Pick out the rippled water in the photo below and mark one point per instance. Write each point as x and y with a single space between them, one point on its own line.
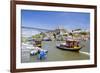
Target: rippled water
55 54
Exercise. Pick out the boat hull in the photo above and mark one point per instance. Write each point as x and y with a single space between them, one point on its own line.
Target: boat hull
69 49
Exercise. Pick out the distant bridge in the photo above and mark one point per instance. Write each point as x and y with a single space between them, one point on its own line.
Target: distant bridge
39 29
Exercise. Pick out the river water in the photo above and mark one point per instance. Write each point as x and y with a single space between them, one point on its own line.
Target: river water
55 54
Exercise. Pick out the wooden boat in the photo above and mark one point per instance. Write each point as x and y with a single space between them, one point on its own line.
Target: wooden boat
70 46
38 43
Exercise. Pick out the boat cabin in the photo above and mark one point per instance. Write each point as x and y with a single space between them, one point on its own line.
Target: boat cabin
72 44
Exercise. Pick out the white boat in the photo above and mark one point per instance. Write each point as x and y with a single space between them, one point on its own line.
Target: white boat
34 52
37 50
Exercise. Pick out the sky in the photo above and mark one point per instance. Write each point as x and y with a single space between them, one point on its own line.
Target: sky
52 19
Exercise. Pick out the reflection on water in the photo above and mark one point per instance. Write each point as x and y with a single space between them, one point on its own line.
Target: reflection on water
55 54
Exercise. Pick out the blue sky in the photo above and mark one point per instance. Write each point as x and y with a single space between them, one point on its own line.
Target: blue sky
52 19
